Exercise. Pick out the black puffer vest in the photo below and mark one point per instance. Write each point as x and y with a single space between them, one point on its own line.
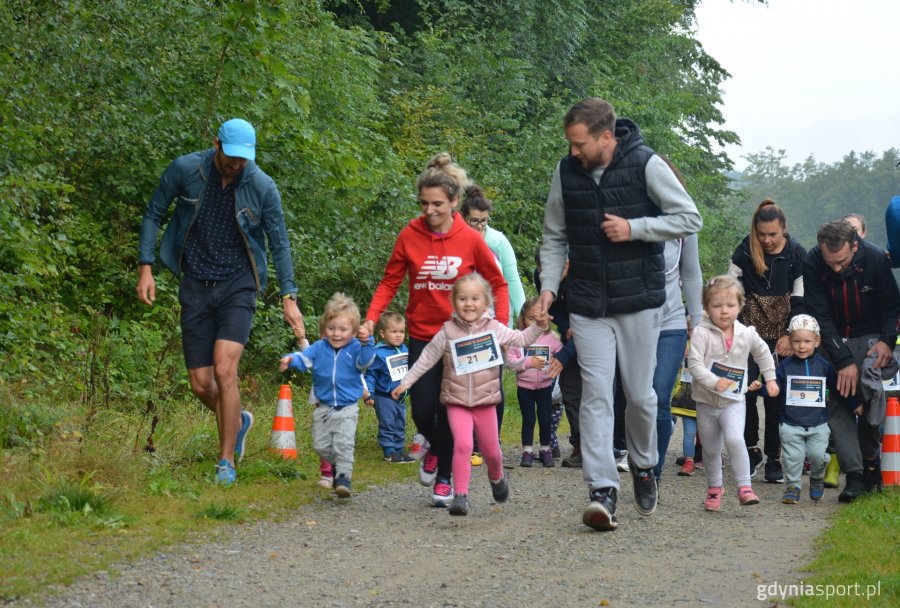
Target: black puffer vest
608 278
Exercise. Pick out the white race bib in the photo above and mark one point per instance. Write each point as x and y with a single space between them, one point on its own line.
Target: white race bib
805 391
737 376
539 350
475 353
397 366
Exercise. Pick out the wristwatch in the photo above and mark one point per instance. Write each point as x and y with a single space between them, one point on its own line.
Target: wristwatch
290 296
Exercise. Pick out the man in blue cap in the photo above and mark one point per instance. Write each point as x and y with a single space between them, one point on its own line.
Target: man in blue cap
215 243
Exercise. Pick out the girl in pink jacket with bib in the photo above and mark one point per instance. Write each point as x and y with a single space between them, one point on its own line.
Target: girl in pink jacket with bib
471 397
534 387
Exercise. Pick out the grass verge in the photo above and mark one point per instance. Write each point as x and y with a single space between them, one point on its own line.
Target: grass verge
82 495
857 561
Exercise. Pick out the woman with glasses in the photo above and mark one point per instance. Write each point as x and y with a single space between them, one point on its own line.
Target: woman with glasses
476 210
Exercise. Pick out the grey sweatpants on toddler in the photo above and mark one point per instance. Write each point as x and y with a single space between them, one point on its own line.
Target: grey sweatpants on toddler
334 436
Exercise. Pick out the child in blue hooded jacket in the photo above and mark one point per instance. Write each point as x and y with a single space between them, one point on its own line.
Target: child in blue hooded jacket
337 361
383 376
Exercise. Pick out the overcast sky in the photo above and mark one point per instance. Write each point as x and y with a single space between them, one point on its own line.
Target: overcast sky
818 77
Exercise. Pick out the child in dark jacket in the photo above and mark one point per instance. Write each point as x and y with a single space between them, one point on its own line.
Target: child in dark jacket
802 379
337 361
383 376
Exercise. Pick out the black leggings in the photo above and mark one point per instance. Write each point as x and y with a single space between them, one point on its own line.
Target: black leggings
771 440
428 412
542 400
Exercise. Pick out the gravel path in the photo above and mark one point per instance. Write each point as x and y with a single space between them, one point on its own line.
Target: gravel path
387 547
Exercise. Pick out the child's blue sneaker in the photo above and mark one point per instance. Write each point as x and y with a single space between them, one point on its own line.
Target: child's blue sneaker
792 494
241 443
225 473
816 489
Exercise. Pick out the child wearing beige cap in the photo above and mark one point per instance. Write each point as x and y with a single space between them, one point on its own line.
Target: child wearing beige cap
803 379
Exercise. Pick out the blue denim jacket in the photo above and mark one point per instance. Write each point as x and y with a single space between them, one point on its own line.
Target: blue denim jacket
258 211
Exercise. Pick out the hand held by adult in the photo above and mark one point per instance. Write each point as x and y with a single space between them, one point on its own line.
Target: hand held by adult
545 300
783 347
294 318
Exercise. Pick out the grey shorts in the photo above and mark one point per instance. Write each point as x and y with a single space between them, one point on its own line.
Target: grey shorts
215 310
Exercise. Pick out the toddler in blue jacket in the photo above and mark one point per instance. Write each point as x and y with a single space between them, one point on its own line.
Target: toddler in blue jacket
337 362
383 376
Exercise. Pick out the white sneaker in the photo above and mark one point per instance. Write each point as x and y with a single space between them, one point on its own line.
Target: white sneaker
622 461
325 482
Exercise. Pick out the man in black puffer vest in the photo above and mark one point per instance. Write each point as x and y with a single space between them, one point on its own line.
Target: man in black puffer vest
613 203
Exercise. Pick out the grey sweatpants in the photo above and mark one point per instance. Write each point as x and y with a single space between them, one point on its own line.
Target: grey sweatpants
334 436
854 439
631 339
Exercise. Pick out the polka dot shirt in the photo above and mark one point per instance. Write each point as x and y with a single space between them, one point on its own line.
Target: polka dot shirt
215 247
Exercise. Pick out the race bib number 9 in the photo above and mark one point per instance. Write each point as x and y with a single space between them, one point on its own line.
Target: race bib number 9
805 391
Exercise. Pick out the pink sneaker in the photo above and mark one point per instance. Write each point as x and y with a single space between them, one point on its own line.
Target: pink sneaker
747 497
428 469
713 500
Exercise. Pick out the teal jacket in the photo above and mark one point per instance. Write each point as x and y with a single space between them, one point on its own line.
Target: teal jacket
257 210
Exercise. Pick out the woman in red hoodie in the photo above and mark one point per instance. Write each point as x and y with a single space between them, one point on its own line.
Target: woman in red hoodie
433 250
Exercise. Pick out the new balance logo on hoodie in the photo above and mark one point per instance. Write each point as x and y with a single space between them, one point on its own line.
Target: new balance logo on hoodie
443 268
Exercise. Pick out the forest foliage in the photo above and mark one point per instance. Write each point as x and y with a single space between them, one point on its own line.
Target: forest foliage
350 98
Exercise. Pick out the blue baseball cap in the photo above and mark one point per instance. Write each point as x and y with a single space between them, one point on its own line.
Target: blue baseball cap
238 138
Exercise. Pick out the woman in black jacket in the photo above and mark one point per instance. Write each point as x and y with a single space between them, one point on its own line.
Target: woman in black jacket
768 262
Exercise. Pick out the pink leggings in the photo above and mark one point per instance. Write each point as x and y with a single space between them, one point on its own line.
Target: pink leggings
484 420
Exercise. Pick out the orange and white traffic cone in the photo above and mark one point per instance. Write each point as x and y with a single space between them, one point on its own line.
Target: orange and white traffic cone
890 444
283 439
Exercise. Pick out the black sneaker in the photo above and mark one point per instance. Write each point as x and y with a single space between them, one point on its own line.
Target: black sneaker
460 505
756 459
646 492
500 489
400 458
854 488
774 474
573 460
600 514
872 481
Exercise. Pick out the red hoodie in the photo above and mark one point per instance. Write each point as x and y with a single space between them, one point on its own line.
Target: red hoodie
433 262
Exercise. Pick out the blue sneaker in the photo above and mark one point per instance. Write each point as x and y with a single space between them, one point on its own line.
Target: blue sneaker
225 473
241 443
816 489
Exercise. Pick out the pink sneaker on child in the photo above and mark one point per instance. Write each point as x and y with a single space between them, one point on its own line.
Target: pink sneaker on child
326 472
713 500
747 497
